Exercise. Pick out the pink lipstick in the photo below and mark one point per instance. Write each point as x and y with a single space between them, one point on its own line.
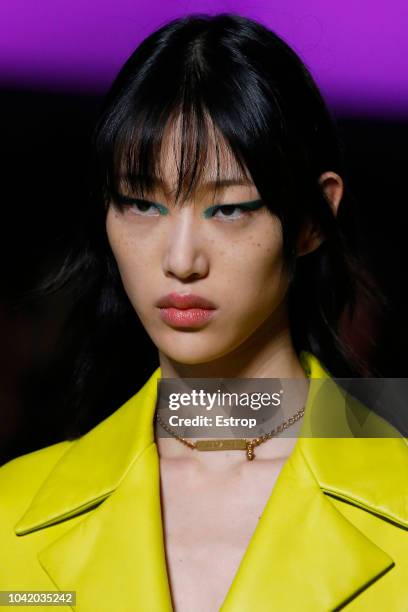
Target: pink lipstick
185 310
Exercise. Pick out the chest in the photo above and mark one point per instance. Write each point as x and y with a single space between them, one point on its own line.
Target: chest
208 521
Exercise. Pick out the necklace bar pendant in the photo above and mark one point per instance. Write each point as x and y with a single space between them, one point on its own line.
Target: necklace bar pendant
217 445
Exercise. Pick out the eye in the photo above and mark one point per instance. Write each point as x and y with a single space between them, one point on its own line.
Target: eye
228 210
146 209
140 207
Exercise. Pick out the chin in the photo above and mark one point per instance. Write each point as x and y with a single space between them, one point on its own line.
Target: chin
190 353
190 357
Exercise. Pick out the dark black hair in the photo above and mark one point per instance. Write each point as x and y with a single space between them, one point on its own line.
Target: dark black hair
235 75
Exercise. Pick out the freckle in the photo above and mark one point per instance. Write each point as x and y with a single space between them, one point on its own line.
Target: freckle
258 244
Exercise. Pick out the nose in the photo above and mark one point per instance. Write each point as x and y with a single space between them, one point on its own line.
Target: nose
185 257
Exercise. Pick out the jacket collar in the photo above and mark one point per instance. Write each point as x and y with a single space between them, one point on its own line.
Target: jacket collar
113 470
96 463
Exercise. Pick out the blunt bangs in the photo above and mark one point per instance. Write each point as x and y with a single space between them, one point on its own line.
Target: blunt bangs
189 135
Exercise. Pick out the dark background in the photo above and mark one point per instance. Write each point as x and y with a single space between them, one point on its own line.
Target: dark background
44 161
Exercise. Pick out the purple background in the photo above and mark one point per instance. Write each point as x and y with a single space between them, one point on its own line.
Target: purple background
356 50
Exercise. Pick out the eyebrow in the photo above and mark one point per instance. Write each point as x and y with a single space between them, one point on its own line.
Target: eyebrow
223 182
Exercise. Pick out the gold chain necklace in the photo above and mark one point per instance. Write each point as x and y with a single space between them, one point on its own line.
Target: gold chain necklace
234 443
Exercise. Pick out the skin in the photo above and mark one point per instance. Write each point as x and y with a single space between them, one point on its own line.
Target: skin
236 261
200 248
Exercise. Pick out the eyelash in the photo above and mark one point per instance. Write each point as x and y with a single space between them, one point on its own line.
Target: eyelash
131 202
241 207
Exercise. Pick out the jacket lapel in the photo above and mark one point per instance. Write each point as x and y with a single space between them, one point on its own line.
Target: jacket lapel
114 559
304 555
96 464
114 554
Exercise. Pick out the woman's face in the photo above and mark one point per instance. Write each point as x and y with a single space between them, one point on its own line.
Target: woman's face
230 256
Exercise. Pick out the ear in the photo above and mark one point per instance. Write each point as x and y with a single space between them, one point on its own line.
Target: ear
333 188
311 237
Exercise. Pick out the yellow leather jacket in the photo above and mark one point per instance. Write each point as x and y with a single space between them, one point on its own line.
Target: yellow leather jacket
85 515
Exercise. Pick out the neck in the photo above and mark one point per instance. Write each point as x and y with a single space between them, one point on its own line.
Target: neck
269 353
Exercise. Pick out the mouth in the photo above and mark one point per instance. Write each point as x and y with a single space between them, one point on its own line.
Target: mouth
185 310
186 317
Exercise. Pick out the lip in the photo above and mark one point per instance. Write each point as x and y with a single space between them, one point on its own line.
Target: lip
185 310
184 301
186 317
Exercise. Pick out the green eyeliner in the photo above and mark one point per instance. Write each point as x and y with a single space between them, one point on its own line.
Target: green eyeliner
253 205
163 210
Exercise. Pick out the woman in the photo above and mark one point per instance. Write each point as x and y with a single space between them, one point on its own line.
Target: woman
214 220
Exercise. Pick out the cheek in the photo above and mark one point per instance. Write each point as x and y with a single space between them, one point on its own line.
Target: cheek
256 269
252 283
131 255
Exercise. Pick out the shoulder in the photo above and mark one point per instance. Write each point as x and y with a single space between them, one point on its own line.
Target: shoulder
21 477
